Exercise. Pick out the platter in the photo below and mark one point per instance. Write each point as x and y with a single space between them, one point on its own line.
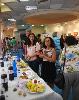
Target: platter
35 86
34 92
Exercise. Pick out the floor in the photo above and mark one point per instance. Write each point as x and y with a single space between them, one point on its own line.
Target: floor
59 91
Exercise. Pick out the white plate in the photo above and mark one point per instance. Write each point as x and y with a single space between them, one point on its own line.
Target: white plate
39 81
29 74
34 92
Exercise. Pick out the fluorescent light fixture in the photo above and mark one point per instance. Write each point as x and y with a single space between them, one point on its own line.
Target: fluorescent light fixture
2 4
24 0
41 25
33 25
12 19
31 7
22 25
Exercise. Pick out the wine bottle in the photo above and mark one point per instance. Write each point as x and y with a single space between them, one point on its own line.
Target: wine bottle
2 64
2 95
11 73
4 80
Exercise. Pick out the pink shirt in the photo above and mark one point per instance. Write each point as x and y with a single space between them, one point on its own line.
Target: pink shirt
31 52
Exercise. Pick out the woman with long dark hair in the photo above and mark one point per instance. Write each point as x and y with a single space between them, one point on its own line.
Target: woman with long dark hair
31 55
48 71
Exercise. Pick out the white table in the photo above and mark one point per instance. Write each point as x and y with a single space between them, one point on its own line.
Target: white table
49 94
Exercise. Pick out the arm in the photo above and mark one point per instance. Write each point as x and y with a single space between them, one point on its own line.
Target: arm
52 58
30 54
25 50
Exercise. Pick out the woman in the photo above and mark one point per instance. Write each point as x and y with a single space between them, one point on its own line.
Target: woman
48 71
31 53
62 41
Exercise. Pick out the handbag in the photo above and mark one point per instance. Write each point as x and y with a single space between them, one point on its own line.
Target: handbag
60 81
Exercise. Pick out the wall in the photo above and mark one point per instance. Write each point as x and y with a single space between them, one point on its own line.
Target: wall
38 29
67 27
61 28
8 32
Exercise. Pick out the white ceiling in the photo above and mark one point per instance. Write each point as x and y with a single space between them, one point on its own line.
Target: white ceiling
18 8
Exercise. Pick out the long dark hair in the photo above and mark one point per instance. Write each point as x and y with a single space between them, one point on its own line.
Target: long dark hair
34 42
71 40
51 41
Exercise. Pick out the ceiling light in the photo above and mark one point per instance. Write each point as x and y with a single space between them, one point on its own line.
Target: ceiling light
41 25
11 19
33 25
2 4
22 25
65 23
31 7
24 0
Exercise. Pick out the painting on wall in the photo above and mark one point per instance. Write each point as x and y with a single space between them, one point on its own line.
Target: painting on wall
75 33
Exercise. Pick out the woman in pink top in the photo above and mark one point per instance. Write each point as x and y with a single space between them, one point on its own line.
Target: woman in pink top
31 56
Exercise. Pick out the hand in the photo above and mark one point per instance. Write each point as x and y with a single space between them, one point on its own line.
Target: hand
25 56
41 55
37 53
28 58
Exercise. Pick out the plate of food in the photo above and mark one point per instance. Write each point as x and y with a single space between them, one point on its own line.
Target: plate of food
23 69
35 86
22 64
23 77
30 74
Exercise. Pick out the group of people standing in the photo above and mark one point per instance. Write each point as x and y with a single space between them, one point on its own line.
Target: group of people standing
46 53
8 44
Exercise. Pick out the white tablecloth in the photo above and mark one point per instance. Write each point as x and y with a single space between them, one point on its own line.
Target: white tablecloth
49 94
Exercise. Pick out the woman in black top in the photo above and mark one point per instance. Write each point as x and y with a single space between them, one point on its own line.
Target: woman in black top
48 71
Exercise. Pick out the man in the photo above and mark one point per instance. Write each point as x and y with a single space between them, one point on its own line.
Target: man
25 43
26 37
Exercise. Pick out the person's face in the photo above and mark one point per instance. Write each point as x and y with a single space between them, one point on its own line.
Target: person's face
47 42
64 36
31 37
27 34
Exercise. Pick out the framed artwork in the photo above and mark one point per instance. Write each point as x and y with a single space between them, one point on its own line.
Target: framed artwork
75 33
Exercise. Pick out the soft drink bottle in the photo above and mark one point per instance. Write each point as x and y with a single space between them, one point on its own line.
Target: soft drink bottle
14 68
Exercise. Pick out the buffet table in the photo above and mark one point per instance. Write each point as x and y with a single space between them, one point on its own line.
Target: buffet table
48 94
